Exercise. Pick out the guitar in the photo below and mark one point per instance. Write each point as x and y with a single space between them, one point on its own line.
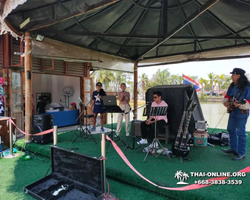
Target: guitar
176 144
184 147
232 107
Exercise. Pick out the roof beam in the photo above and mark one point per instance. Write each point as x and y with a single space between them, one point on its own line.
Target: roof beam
134 27
190 27
188 20
245 2
95 34
89 17
114 35
219 21
72 15
114 24
163 22
164 17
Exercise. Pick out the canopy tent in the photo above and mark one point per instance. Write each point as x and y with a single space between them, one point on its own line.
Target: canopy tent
177 96
141 29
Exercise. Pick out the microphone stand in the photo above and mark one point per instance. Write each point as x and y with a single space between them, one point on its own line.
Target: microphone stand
133 138
84 132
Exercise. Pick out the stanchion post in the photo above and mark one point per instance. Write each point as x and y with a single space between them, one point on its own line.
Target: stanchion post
55 135
11 137
103 149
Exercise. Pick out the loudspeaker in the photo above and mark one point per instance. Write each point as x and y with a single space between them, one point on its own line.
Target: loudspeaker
42 123
136 127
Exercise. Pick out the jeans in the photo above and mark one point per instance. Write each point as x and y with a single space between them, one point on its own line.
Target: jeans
237 131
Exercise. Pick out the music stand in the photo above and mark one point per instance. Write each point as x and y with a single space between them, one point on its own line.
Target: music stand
84 132
155 111
110 106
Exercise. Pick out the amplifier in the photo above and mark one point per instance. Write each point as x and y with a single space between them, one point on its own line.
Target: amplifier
42 123
136 127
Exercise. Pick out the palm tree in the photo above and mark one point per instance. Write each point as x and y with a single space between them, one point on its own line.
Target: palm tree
143 79
176 79
106 78
178 174
211 77
219 79
185 176
226 82
119 77
161 77
181 176
204 83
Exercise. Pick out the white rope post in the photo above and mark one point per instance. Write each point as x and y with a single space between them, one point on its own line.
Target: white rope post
103 152
11 137
55 135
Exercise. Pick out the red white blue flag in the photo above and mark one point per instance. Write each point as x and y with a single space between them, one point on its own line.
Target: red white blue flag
188 80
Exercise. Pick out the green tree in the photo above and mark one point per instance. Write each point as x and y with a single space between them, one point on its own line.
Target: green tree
226 82
161 77
119 77
204 83
176 79
143 80
211 77
105 77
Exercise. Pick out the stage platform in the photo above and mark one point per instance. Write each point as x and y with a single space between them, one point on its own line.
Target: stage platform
160 170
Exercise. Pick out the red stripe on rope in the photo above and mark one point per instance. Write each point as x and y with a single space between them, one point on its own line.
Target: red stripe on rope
41 133
189 187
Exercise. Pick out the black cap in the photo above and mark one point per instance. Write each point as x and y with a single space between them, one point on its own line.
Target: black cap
238 71
99 83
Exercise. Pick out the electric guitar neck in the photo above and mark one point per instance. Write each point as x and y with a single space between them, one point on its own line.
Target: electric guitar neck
179 134
185 137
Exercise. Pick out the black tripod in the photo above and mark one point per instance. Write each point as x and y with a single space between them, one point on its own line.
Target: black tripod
133 138
111 110
84 132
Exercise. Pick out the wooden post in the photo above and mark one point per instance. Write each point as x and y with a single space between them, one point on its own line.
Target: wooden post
87 69
7 75
135 87
28 89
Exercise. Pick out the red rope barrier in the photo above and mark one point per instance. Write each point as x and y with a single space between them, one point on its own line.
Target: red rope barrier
189 187
41 133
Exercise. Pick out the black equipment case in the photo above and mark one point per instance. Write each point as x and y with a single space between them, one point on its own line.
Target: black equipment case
74 176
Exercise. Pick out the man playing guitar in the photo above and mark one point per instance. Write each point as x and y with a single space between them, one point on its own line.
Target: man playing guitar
238 91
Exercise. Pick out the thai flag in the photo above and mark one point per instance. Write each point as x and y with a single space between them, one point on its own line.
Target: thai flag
187 80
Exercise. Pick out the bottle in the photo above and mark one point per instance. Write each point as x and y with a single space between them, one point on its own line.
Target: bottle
27 157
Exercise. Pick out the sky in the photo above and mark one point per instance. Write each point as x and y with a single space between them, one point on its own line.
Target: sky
200 68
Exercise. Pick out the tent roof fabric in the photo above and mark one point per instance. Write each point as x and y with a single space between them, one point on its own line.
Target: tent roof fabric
139 29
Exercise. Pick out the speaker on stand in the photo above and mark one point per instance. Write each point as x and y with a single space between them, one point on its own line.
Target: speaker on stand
42 123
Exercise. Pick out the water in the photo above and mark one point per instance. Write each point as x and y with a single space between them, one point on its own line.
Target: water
214 113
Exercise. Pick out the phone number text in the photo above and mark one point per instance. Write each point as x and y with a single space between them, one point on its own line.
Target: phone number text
219 182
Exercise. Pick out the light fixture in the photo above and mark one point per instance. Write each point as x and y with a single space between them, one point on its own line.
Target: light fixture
39 37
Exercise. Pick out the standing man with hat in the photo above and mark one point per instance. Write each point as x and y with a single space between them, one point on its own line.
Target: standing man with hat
238 91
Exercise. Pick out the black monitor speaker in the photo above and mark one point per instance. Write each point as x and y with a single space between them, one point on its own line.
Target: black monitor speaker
42 123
